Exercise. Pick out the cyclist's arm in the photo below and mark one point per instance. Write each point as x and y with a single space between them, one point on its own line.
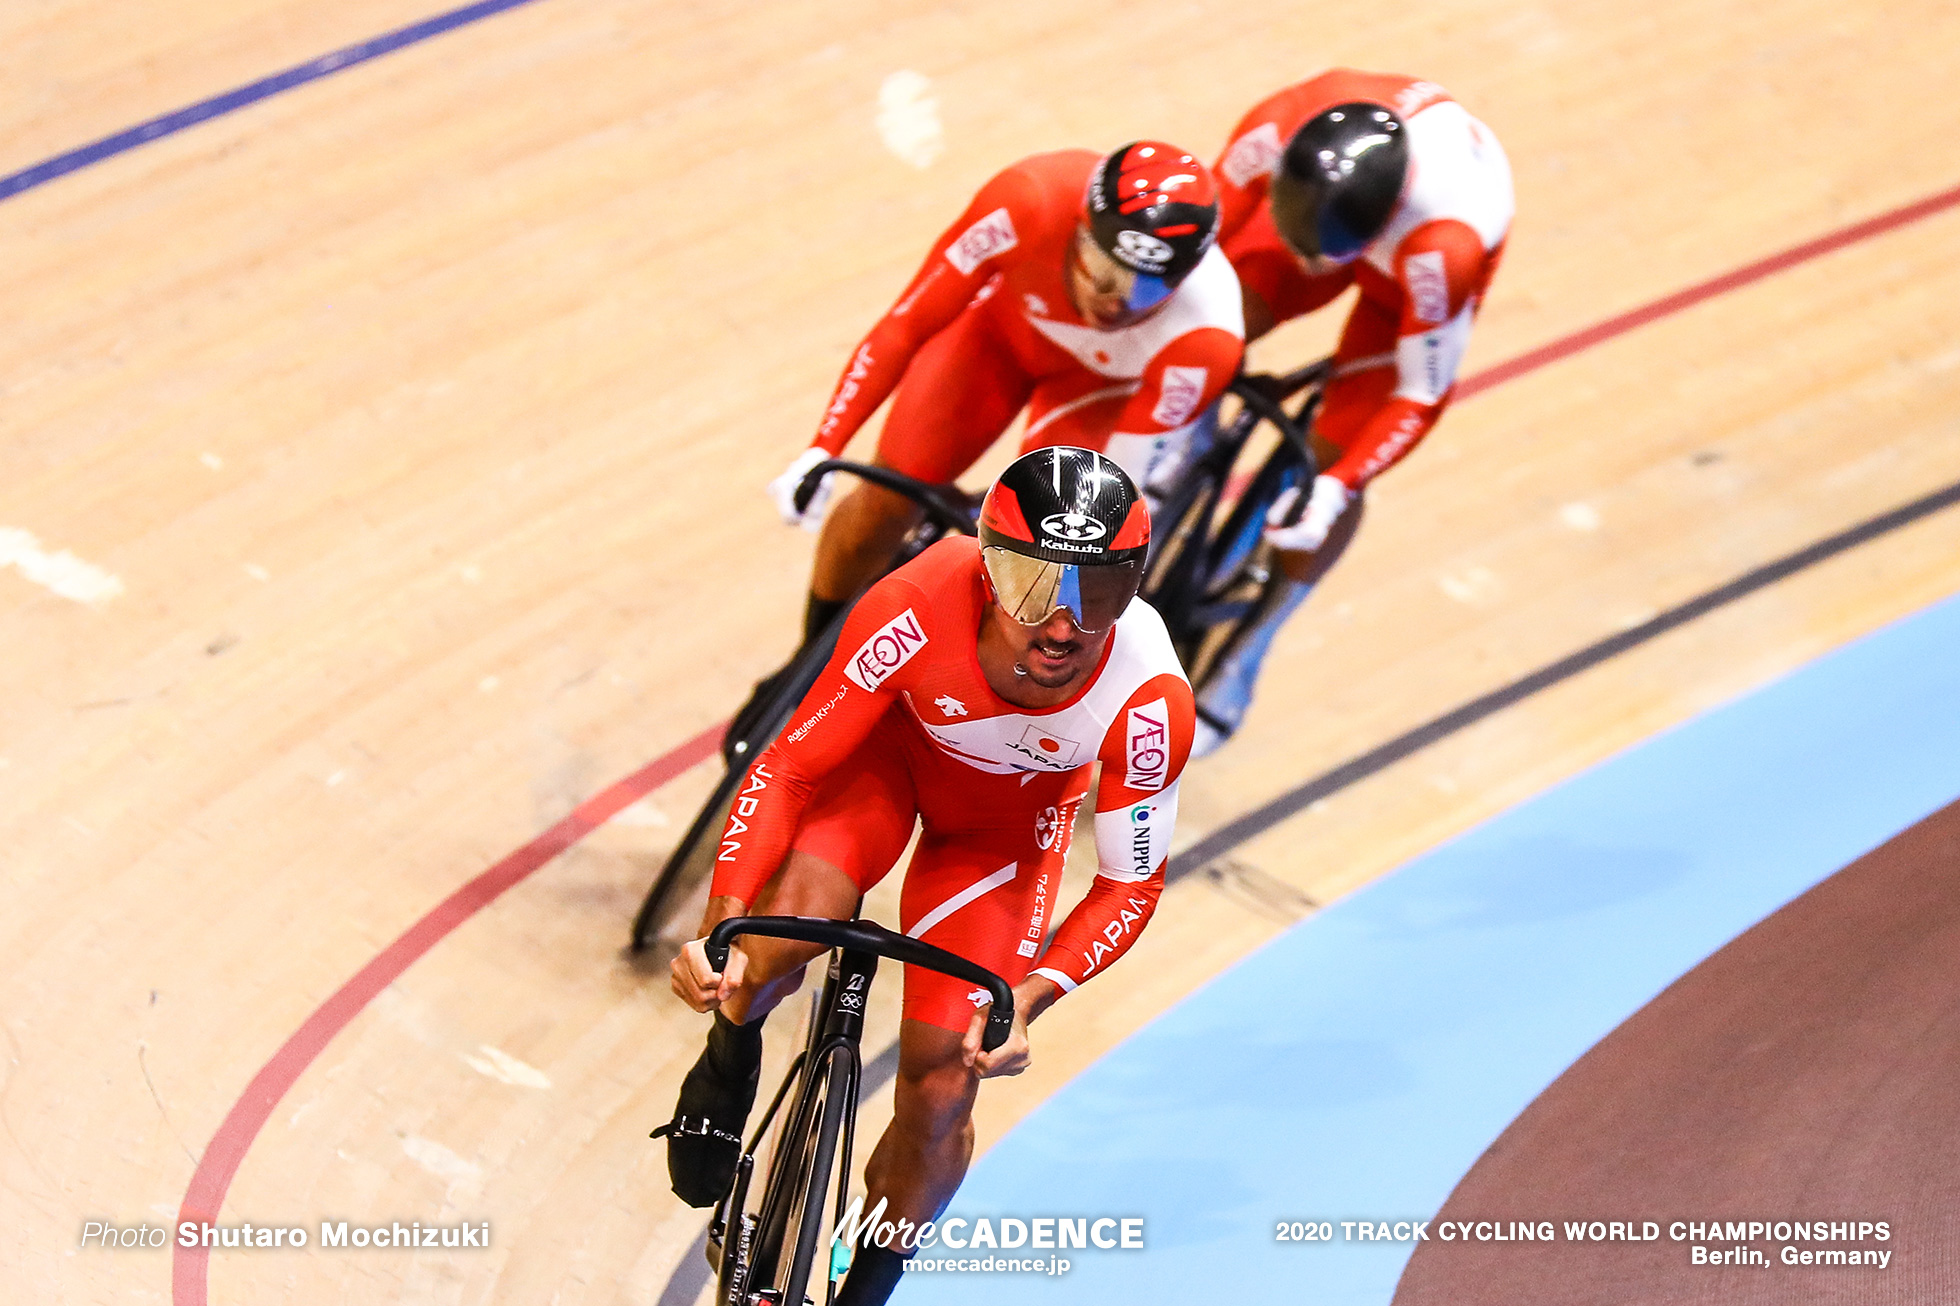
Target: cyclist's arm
1442 269
836 715
964 258
1136 811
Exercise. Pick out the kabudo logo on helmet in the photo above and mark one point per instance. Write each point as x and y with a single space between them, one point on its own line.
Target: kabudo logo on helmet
1142 251
1073 526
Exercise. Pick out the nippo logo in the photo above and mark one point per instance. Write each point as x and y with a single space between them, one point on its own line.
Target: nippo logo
1142 251
1073 526
1150 744
886 651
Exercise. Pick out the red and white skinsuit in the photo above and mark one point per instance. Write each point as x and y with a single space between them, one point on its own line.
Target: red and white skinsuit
1421 280
987 327
902 723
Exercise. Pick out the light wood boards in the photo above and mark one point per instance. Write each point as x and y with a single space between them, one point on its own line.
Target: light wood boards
423 413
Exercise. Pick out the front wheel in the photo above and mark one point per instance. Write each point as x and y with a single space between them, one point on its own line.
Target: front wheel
803 1231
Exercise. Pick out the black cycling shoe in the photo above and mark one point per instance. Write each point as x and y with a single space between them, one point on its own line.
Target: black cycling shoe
704 1139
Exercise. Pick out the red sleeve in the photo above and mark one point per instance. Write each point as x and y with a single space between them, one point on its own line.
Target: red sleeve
964 258
1245 166
1441 269
1142 757
889 625
1181 381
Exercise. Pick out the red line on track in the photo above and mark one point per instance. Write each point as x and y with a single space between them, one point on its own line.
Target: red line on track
248 1115
1722 285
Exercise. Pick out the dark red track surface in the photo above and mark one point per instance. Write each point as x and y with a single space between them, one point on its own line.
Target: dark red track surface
1809 1070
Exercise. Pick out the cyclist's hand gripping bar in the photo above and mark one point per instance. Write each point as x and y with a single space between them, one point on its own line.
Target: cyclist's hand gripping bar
926 496
864 936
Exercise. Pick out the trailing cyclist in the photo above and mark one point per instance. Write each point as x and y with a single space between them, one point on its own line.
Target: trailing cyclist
1384 183
1087 291
972 690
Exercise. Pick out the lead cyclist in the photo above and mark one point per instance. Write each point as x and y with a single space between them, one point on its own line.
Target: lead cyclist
973 689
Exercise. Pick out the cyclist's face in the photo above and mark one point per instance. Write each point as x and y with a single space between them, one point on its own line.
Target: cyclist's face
1100 286
1055 654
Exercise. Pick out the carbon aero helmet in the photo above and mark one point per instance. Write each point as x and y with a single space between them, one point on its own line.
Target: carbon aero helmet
1339 180
1152 209
1064 528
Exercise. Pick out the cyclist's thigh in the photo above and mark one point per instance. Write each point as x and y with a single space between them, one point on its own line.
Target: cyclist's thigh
861 816
983 881
962 389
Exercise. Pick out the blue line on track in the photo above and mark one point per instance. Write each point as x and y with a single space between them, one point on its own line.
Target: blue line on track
266 87
1355 1068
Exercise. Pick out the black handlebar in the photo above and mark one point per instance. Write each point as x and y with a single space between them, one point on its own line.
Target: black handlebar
1262 394
865 936
930 497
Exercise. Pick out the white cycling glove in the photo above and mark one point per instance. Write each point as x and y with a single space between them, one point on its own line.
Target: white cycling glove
782 490
1325 505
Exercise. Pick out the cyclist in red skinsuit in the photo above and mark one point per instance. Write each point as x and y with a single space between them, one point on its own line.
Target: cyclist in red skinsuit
1019 304
966 696
997 786
1421 277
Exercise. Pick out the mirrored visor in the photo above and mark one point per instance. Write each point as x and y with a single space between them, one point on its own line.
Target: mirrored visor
1031 590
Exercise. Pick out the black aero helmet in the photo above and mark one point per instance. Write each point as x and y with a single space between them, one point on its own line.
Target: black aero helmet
1339 180
1064 528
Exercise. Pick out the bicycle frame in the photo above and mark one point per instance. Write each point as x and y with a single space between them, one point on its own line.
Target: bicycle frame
1208 573
825 1076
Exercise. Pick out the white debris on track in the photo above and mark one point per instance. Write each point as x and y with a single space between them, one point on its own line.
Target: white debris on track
63 572
908 118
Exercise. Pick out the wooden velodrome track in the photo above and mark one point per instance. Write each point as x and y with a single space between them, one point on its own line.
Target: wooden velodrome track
423 412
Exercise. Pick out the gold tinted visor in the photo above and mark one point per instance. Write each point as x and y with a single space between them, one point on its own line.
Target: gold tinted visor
1032 590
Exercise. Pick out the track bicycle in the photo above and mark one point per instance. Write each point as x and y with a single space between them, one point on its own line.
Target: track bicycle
1210 571
765 1256
947 512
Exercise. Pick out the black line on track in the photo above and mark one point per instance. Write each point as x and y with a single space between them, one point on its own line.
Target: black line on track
1234 833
